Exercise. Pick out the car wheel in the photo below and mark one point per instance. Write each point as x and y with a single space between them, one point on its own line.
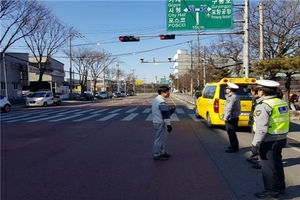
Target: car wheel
196 113
58 103
208 121
6 108
45 104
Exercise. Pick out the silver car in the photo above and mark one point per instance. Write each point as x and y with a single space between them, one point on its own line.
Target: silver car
5 104
40 98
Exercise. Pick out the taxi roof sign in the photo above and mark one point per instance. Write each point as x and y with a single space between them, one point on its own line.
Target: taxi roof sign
238 80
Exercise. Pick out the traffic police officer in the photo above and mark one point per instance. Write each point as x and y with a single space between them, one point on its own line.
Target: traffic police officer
271 125
231 115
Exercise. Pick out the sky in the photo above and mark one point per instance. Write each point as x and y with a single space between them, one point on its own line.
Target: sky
102 22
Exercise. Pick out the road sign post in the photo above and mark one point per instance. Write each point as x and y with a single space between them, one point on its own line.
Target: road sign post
199 15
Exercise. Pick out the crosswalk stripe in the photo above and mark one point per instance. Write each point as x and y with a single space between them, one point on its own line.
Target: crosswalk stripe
46 118
84 111
82 114
63 118
174 117
70 111
98 111
87 117
147 110
194 117
33 117
150 117
116 110
108 117
130 117
14 117
179 111
131 110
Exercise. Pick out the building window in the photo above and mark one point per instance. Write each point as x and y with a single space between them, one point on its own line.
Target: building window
16 86
3 86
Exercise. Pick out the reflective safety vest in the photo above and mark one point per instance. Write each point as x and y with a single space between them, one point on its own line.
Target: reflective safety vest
279 122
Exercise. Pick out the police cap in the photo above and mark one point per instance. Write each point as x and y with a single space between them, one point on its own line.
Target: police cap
267 83
232 86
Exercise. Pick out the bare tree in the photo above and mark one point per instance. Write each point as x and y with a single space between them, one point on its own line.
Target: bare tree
281 40
99 64
129 80
19 19
281 28
94 62
82 62
45 41
115 74
227 52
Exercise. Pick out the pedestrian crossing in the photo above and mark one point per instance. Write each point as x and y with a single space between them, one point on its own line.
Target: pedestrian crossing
125 114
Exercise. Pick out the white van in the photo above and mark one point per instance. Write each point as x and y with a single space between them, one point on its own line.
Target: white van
40 98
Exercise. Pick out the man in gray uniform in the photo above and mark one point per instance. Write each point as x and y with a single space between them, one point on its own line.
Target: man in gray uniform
232 112
161 122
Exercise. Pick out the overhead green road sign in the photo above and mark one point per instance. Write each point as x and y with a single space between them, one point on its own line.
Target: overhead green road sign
199 14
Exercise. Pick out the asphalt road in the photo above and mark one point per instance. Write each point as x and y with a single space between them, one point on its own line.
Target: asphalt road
103 150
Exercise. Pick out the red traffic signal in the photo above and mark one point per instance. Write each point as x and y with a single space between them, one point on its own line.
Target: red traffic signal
167 37
129 39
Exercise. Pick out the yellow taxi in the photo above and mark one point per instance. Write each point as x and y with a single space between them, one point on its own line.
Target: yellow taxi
210 103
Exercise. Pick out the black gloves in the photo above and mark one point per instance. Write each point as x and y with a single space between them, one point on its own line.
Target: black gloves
254 150
169 128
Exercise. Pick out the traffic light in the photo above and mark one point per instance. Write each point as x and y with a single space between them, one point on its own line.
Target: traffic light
167 37
129 39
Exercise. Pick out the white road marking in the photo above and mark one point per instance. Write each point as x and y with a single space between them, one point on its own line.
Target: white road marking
108 117
130 117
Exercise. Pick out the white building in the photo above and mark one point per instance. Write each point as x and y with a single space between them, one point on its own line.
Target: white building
182 62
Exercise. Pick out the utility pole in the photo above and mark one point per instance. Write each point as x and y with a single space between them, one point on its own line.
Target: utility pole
204 66
191 68
70 55
104 85
71 35
198 59
133 84
246 39
118 81
261 35
144 85
5 73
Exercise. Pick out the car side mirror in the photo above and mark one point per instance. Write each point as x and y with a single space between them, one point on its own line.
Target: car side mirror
198 94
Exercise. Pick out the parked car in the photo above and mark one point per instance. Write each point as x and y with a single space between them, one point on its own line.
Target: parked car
5 104
85 97
123 94
117 94
104 95
96 94
57 99
130 93
40 98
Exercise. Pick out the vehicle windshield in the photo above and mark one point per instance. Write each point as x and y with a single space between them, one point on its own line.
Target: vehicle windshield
37 94
242 92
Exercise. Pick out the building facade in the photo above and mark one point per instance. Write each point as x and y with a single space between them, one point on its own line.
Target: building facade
14 74
20 72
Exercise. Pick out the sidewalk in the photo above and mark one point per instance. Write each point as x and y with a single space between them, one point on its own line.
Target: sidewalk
294 116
